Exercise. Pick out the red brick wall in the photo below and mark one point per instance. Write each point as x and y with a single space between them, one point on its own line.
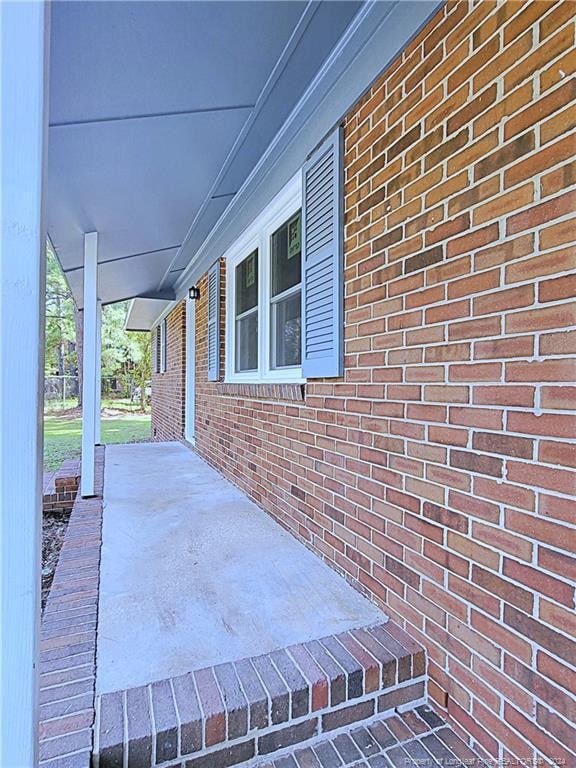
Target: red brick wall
437 473
168 389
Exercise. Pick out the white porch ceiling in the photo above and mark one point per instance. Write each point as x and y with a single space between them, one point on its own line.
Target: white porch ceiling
158 113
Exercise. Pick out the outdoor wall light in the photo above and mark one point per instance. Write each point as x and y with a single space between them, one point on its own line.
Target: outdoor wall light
194 292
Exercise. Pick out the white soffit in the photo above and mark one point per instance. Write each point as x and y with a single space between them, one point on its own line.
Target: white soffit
142 313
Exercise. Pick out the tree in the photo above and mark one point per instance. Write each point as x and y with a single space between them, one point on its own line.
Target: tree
79 327
142 356
126 356
61 338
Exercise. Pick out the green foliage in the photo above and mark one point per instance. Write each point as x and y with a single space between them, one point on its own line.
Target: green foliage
125 355
60 350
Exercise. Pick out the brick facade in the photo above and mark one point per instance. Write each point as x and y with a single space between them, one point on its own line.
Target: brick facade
168 388
437 474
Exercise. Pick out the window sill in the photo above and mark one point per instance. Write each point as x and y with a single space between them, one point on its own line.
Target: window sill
263 391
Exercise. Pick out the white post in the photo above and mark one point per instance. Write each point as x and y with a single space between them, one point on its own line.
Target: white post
23 106
98 392
89 362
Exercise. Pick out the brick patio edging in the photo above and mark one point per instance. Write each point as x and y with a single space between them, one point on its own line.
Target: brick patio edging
232 712
68 638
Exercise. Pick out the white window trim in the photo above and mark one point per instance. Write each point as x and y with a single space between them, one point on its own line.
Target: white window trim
257 236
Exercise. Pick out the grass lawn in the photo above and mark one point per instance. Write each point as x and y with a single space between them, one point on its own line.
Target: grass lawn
62 437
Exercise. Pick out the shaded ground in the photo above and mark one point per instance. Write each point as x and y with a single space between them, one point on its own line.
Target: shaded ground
63 433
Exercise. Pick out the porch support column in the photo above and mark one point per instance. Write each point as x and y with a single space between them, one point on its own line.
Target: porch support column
89 362
98 391
23 106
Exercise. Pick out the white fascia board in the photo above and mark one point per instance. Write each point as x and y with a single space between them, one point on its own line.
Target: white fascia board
375 36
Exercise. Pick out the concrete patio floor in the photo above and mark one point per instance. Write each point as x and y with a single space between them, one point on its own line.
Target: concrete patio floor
194 574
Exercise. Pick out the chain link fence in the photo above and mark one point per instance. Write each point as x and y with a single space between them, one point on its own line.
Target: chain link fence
60 388
64 388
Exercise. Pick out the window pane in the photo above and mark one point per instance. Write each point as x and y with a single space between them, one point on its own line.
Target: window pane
247 343
285 255
286 331
247 283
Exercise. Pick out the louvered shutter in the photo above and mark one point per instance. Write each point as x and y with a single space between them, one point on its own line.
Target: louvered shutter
163 345
214 322
155 368
322 262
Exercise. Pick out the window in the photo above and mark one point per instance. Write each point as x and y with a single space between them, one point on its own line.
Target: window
285 297
285 280
264 278
246 309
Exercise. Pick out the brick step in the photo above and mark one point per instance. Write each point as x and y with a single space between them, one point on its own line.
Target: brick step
235 712
415 738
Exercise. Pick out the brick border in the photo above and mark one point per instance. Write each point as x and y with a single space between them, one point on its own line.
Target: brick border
232 712
68 638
